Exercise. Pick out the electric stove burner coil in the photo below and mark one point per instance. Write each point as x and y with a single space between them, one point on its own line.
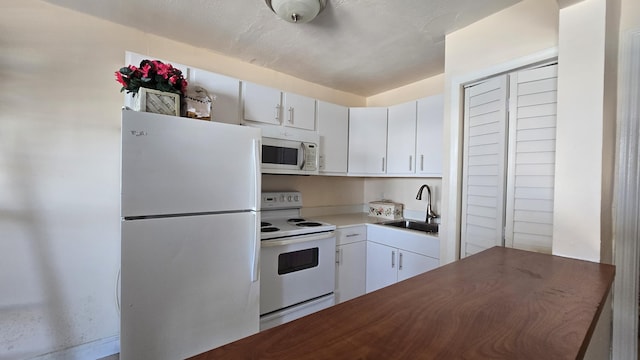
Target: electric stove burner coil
295 220
264 223
269 229
308 224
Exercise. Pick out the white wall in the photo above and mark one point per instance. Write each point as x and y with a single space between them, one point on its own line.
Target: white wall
417 90
629 15
319 191
585 136
404 191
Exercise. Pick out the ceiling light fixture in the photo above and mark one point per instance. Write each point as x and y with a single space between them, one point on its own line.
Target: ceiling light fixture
297 11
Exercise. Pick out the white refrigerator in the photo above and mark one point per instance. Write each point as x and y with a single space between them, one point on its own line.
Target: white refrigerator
190 235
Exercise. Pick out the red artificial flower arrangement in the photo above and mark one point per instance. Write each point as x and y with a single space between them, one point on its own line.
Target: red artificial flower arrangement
151 74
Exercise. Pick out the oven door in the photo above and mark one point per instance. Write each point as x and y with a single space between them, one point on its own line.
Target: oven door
296 269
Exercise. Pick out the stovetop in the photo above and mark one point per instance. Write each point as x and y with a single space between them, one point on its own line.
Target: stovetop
287 227
281 217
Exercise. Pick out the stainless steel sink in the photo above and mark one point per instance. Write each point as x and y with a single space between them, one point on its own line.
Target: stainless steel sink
414 225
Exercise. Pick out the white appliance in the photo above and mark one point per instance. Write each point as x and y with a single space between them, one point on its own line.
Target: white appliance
288 156
297 261
190 229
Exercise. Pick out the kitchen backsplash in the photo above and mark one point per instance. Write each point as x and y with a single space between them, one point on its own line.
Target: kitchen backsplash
353 193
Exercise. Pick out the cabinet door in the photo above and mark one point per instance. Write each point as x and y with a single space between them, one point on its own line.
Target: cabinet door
429 134
381 266
333 128
412 264
401 139
350 270
367 140
261 103
224 91
300 111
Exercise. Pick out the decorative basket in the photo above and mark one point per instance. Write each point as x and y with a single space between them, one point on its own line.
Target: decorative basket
155 101
385 209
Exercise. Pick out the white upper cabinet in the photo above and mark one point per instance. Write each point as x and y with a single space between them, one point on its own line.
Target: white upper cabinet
401 139
224 91
333 128
412 134
261 103
300 111
429 135
267 105
367 140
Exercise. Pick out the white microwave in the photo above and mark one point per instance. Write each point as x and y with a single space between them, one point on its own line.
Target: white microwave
287 156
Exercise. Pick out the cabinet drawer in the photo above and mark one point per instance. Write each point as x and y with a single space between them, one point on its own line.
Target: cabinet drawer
351 234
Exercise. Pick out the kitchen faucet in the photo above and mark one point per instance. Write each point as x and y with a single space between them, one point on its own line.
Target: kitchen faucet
430 214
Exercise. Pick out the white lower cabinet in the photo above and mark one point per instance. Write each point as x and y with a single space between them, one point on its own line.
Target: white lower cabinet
387 265
350 263
382 267
412 264
389 261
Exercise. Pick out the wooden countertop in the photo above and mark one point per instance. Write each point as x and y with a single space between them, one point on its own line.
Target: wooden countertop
499 304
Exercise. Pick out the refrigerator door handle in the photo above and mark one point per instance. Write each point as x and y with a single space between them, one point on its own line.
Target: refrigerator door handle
257 172
255 272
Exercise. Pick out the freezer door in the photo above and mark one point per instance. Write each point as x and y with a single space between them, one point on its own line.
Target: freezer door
173 165
189 284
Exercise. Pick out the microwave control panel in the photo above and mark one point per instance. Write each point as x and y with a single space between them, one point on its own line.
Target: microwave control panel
310 157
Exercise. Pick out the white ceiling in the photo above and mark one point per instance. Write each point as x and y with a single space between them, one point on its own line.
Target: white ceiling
362 47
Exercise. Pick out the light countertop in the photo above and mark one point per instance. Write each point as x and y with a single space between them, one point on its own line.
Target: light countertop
350 219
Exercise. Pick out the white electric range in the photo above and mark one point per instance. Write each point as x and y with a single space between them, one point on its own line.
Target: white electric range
297 261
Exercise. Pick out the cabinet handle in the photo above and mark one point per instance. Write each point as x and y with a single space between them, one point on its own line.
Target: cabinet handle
422 162
278 112
338 256
352 235
410 162
400 261
291 115
393 259
383 164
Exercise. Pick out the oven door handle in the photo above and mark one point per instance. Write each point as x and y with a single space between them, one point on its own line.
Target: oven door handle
297 239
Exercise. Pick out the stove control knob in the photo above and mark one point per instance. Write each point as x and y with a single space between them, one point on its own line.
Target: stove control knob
295 198
289 198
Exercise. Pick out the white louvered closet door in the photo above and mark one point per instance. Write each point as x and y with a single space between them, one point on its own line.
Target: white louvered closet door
484 160
531 159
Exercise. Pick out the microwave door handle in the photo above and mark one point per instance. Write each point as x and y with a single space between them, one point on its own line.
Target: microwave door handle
304 156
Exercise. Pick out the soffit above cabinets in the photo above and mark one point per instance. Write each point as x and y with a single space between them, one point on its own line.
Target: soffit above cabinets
362 47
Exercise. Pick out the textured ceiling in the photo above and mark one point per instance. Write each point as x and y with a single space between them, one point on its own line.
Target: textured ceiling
359 46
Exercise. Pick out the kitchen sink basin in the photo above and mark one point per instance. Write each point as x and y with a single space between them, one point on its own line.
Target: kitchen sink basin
414 225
